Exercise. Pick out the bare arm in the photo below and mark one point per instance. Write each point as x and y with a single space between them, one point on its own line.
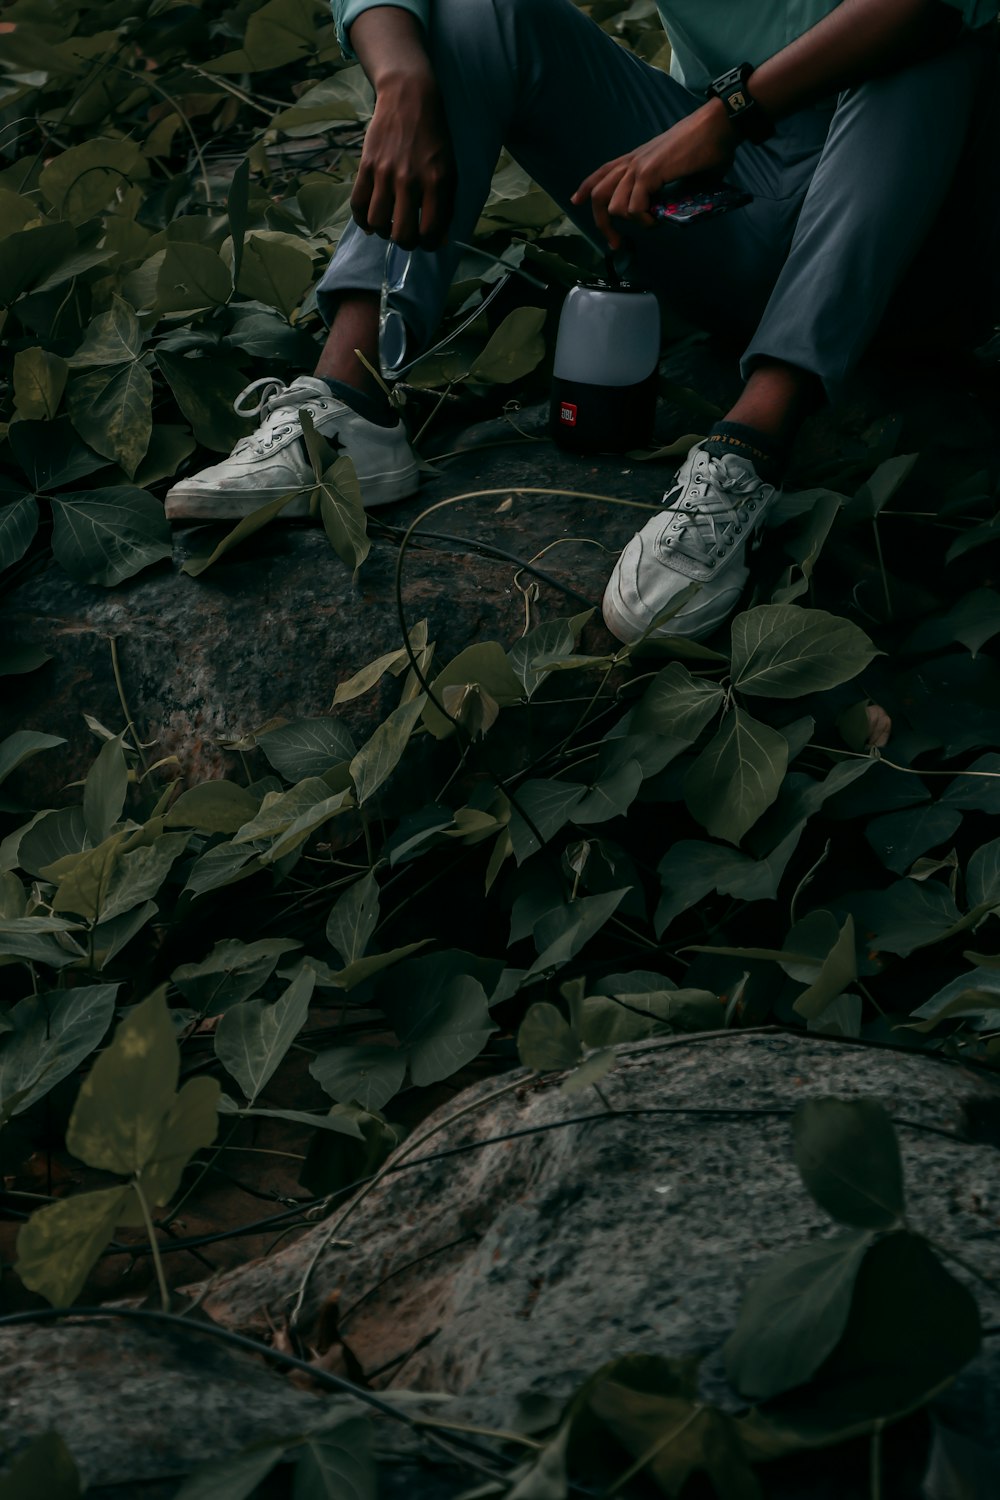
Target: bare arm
405 185
858 40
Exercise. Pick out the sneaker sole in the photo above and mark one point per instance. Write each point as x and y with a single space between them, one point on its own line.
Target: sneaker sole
625 628
194 504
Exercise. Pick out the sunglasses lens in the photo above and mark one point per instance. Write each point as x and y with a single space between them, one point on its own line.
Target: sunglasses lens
392 334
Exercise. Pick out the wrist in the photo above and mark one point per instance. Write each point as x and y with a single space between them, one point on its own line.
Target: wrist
717 121
405 81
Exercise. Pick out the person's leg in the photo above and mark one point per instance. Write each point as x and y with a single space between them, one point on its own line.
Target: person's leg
884 174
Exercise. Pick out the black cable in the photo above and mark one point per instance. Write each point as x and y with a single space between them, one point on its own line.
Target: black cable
489 550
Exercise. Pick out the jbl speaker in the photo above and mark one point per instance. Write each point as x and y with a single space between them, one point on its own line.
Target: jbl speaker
604 375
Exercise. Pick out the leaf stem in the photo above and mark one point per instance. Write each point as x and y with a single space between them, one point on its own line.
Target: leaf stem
154 1243
646 1458
129 721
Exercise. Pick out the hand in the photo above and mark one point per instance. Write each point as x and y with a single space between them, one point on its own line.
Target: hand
702 142
405 187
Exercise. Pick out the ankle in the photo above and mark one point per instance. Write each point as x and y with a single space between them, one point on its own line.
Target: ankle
353 333
767 454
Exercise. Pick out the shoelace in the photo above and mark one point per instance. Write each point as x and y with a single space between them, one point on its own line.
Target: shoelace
705 532
271 388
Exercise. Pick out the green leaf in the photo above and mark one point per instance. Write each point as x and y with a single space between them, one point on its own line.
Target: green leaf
82 181
279 810
782 651
677 705
610 797
901 838
58 1246
485 664
361 682
307 747
973 620
222 865
737 776
690 869
342 511
234 1477
51 454
44 1468
560 934
50 1036
191 1124
607 1019
190 277
880 488
366 968
112 410
21 745
837 970
252 1038
213 807
337 1464
514 350
39 382
889 1361
307 822
549 805
104 790
546 1042
85 887
275 271
979 792
195 566
118 1118
138 874
848 1157
443 1021
105 536
982 878
973 994
368 1075
668 1439
535 654
114 337
27 257
354 918
232 972
909 915
18 525
380 755
238 210
205 388
794 1315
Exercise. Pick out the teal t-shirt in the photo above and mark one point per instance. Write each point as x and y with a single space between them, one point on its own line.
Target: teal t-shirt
706 36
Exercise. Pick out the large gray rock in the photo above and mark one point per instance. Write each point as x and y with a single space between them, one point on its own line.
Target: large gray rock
485 1270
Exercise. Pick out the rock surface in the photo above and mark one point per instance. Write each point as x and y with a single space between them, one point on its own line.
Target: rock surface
524 1264
272 628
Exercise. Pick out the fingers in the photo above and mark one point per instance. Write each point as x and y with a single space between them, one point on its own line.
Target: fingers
361 196
436 210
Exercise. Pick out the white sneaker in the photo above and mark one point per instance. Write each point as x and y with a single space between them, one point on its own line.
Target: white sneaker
700 537
273 460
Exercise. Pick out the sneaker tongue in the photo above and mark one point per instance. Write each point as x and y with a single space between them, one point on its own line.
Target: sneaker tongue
299 391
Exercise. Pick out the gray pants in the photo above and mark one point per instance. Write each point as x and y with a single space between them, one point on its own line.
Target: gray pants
844 195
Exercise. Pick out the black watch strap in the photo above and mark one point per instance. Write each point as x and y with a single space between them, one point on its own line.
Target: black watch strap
745 114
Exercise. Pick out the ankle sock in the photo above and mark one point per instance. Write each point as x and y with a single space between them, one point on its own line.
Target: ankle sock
767 456
373 408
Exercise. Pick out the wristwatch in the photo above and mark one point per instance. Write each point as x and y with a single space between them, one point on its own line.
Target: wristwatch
745 114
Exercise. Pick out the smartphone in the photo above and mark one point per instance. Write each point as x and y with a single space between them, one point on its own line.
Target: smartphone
676 204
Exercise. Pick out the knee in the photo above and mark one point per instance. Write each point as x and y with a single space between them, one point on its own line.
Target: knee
461 23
